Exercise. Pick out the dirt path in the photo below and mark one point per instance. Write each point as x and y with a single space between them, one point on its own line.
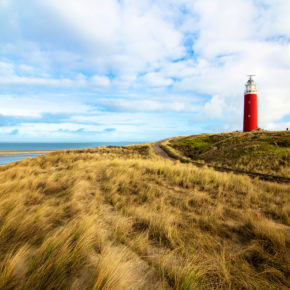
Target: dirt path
267 177
161 152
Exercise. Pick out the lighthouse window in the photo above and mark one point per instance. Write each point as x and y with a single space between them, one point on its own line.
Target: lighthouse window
249 116
249 102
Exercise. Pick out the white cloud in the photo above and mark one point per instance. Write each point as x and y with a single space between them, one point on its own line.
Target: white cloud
274 19
22 75
278 126
100 81
215 108
6 69
128 37
156 80
33 106
133 105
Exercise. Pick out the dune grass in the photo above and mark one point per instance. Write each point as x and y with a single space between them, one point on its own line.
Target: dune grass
256 151
124 218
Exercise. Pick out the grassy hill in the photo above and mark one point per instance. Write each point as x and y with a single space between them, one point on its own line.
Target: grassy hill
257 151
124 218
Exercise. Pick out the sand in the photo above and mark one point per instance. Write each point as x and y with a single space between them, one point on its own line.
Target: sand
24 152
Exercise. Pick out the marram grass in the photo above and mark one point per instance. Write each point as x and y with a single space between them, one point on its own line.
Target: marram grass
124 218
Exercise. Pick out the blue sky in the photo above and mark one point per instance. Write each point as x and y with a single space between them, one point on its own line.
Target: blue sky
108 70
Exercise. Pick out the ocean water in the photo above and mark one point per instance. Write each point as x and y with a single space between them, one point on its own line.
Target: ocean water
7 158
4 159
53 146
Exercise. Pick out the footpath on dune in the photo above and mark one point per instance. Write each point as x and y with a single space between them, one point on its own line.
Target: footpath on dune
161 152
280 179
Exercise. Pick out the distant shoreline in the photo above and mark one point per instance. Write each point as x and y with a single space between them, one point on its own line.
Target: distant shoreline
25 152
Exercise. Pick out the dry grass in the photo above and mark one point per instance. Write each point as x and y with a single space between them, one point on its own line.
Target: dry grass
124 218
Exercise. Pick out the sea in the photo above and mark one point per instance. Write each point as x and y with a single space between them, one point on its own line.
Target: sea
7 158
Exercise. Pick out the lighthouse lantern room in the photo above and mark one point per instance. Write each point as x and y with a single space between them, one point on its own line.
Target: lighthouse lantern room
250 106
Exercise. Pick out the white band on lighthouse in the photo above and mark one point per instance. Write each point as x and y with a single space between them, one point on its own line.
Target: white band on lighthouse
251 86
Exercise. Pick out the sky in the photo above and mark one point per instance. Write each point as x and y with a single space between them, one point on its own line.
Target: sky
109 70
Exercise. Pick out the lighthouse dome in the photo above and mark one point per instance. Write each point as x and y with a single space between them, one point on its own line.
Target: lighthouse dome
251 86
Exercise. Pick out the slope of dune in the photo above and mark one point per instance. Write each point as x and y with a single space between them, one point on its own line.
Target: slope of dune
256 151
125 218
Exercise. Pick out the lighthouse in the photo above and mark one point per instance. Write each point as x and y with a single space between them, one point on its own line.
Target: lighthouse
250 106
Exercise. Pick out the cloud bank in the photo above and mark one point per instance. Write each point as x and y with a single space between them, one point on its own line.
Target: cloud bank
139 70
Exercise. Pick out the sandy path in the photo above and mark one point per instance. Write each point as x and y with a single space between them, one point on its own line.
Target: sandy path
161 152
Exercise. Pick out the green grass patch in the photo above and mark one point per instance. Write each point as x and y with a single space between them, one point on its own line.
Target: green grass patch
257 151
196 143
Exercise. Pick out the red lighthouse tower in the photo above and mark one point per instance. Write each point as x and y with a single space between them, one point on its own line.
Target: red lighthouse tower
250 106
